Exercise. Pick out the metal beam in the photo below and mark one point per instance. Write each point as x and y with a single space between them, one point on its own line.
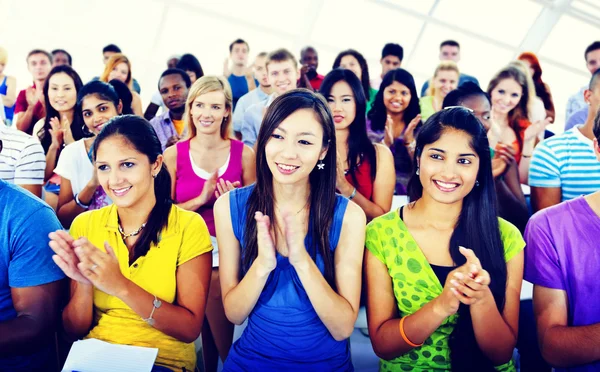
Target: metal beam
542 26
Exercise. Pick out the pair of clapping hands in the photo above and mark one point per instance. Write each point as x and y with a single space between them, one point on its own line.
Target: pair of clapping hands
467 284
85 263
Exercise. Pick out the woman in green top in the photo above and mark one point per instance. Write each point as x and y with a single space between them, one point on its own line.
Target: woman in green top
432 304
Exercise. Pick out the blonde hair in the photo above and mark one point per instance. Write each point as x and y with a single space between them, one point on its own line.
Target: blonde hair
114 61
208 84
3 55
443 66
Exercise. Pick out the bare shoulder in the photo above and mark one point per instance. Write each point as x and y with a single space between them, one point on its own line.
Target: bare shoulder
354 217
382 151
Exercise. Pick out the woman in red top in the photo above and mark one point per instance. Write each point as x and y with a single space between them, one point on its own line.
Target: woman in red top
511 97
365 171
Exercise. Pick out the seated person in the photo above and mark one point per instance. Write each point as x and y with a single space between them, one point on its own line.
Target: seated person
30 282
173 86
564 166
444 273
22 162
142 278
562 261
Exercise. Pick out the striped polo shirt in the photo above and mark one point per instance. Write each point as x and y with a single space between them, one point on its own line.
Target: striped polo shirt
22 159
566 161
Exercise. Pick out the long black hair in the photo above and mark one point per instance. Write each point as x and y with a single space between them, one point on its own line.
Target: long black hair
364 68
188 62
77 126
322 197
124 95
477 228
359 145
102 90
378 113
138 132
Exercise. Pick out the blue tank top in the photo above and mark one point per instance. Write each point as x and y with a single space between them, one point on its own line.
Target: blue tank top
284 332
8 111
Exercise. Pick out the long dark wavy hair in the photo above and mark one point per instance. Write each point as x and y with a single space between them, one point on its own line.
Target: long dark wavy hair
138 132
477 228
365 80
322 197
378 113
77 126
359 145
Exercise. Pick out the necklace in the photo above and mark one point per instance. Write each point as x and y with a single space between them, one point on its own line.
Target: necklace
301 209
136 232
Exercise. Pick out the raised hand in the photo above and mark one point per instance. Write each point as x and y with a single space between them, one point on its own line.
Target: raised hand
341 184
225 186
409 133
388 137
32 95
209 189
267 257
100 268
56 132
65 258
534 130
294 238
172 140
470 282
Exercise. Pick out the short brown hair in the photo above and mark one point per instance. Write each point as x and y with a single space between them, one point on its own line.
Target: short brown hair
281 55
39 51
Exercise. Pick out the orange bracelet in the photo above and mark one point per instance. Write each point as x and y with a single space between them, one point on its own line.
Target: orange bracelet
404 334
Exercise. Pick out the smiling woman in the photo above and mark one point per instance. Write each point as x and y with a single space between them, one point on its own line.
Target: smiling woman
290 249
98 102
431 302
142 279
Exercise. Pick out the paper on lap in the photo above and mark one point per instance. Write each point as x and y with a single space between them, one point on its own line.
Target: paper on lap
93 355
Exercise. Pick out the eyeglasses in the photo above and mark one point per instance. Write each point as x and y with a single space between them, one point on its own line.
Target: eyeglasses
461 107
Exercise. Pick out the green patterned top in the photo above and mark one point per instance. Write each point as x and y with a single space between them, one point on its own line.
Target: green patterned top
415 284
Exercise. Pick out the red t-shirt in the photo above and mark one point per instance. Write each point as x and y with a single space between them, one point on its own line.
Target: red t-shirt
316 82
21 105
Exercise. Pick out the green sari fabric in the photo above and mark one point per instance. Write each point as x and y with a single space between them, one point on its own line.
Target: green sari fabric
415 284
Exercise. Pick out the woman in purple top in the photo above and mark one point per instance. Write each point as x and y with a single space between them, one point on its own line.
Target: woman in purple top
202 168
393 120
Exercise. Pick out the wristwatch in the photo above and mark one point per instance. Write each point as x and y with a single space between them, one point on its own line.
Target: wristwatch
411 145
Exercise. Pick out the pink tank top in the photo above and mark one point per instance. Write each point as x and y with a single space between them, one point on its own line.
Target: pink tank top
189 184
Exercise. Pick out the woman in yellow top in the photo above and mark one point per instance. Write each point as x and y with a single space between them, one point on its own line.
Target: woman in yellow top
431 303
444 80
141 267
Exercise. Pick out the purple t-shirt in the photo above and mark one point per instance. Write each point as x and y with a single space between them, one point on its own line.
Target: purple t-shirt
562 253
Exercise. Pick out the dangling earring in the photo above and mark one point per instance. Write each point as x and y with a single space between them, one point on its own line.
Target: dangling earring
320 164
417 172
476 183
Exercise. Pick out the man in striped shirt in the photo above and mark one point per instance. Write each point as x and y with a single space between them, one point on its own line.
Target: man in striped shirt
564 167
22 160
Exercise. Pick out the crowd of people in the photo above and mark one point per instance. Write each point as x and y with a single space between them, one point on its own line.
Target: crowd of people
264 195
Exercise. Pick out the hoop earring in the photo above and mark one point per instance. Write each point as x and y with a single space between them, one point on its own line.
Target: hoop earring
320 164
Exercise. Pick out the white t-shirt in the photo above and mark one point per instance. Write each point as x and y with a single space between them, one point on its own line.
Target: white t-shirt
75 165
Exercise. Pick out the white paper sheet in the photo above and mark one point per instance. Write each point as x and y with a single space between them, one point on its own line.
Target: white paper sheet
93 355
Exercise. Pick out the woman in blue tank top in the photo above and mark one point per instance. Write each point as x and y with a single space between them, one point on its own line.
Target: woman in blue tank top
290 249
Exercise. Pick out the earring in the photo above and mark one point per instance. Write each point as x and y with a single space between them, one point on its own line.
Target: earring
476 183
417 172
154 175
320 164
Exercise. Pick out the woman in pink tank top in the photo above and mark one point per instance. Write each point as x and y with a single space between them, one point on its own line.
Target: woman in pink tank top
203 167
